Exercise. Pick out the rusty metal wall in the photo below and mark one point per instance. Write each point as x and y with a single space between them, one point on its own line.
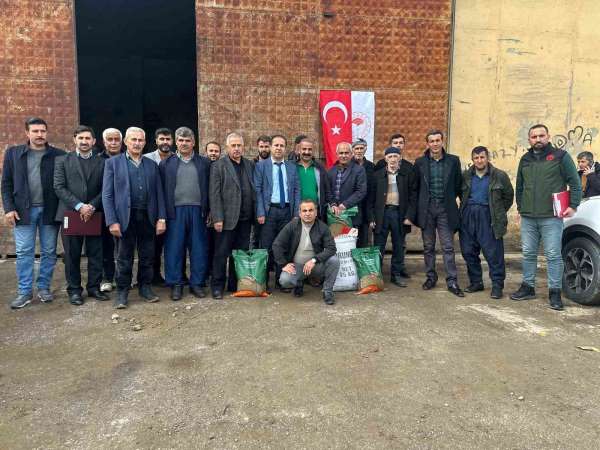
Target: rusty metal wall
262 63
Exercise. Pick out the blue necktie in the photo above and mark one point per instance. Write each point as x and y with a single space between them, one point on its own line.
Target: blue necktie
281 186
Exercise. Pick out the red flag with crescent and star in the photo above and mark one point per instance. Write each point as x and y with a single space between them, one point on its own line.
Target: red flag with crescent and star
345 117
336 120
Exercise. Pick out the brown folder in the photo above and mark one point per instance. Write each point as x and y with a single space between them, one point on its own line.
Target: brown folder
73 225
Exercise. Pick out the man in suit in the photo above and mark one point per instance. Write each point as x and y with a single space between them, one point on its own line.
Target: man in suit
163 138
134 208
277 195
30 204
78 185
232 204
185 183
392 208
348 183
312 176
440 182
359 147
112 140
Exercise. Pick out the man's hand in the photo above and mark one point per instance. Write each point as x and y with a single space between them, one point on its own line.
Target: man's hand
336 210
11 218
342 207
218 226
161 226
408 222
85 212
115 230
588 170
569 212
372 225
261 220
308 267
289 268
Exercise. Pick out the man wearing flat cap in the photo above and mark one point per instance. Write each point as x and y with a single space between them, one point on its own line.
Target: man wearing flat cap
392 209
359 148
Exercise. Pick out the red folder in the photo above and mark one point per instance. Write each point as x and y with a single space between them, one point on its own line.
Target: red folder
73 225
560 202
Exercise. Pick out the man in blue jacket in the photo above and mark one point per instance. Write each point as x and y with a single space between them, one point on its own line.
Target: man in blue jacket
185 183
277 195
134 208
30 205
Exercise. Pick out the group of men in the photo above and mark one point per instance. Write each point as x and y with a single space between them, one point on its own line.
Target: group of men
203 207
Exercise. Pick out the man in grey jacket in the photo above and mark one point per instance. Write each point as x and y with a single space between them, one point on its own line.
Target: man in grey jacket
232 202
305 249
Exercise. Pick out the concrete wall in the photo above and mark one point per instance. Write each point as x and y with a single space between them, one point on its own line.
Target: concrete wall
516 63
261 64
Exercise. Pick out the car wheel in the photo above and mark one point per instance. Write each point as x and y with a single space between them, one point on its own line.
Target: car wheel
581 278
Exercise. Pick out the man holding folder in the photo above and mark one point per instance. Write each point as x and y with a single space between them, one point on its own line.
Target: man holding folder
78 185
543 171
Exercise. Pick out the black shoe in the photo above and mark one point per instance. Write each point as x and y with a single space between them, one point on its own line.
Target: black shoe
197 291
285 290
328 298
76 299
497 292
158 281
121 300
176 292
525 292
217 294
399 281
21 301
555 300
474 287
299 290
429 284
98 295
404 274
147 293
456 290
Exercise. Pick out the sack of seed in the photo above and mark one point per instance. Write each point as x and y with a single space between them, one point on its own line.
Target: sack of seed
368 266
342 223
251 272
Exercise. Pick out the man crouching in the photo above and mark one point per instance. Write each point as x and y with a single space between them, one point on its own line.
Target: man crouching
305 248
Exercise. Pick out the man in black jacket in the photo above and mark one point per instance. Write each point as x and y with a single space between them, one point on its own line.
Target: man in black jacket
440 182
30 204
305 248
392 208
348 183
78 185
359 148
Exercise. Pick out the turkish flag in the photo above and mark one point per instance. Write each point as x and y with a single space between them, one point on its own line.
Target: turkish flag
336 120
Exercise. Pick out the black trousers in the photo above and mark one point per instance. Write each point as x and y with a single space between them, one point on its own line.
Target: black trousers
159 244
73 246
392 224
476 236
364 232
437 220
140 234
276 219
225 242
108 254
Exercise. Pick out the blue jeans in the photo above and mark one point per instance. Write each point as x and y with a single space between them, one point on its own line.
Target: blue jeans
549 230
25 247
187 230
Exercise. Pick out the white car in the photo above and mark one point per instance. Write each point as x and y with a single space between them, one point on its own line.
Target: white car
581 253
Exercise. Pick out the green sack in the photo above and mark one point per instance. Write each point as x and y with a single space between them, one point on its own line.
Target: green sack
251 271
368 267
341 224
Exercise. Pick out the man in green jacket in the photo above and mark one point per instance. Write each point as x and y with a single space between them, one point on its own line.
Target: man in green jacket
543 171
487 196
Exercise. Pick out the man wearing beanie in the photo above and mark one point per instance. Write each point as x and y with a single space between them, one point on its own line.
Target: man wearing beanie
392 209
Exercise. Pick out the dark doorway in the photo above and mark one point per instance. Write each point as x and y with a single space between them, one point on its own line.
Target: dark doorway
137 64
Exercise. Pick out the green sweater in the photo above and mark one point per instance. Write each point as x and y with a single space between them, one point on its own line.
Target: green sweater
541 175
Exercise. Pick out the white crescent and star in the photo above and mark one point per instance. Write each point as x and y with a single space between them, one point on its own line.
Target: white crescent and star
333 105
